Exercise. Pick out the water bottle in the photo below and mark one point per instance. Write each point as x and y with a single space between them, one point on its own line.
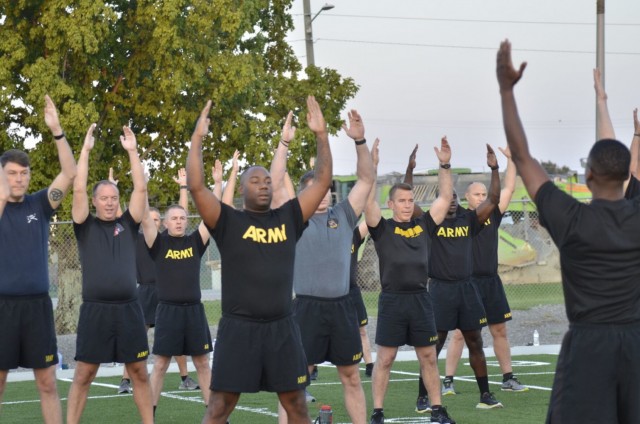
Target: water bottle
536 338
326 415
59 366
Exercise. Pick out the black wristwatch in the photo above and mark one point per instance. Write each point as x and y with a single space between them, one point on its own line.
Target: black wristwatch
445 165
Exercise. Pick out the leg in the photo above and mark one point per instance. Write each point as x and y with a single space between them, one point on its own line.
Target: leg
366 345
49 399
381 371
3 384
142 390
478 362
77 398
160 365
182 365
454 352
296 406
201 362
354 399
221 405
501 346
429 371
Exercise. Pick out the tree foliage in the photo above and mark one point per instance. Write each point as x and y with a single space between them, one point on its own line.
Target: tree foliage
152 65
553 169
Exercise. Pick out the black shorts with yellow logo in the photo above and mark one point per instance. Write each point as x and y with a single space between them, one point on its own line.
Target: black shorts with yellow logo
111 332
252 356
494 298
329 328
181 330
457 304
405 318
358 303
27 332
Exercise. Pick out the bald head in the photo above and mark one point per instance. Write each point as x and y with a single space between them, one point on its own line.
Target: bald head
476 194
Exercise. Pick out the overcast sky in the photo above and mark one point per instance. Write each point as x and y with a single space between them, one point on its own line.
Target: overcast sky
426 68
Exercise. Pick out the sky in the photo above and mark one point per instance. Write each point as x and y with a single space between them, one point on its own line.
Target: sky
426 68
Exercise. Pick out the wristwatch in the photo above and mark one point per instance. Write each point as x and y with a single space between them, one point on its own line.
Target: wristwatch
445 165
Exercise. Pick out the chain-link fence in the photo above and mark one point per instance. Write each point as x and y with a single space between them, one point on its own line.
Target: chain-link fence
529 267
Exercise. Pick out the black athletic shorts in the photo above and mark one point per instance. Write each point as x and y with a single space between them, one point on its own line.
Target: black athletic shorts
494 299
111 332
598 375
405 318
457 304
253 356
329 329
358 303
27 332
148 298
181 330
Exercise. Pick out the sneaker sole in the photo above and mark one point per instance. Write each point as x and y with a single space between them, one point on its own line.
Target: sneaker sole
449 393
486 406
422 411
525 389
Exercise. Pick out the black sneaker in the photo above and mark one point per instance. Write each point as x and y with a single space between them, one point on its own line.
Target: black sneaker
377 417
440 415
423 405
488 401
314 373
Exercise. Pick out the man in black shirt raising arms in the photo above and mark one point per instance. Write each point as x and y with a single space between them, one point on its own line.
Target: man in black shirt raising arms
597 377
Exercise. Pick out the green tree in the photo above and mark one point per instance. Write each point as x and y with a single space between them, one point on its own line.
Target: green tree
152 65
553 169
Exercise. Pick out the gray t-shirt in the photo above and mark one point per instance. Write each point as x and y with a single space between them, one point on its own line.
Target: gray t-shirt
323 253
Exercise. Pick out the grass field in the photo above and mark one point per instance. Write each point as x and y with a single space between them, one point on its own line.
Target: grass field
21 404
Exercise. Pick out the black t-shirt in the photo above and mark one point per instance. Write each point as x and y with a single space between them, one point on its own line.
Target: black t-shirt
485 247
402 253
177 261
599 246
146 268
107 251
451 243
355 245
633 188
257 251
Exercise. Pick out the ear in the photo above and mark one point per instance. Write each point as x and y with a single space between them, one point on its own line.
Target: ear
588 174
389 204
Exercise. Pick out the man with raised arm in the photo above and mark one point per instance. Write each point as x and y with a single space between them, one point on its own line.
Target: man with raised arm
405 312
323 308
598 366
111 324
489 285
27 328
258 343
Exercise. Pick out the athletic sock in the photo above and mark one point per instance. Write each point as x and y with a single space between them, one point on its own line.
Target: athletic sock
422 390
507 376
184 377
449 378
483 384
378 410
127 380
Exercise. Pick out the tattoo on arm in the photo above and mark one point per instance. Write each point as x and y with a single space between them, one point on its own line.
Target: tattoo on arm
55 195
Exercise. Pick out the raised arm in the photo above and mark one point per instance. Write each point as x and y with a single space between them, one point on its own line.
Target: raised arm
68 170
364 167
138 201
216 173
605 127
485 208
115 182
313 194
440 206
230 188
5 191
207 204
533 175
149 228
278 169
372 214
634 167
509 185
408 179
80 204
181 180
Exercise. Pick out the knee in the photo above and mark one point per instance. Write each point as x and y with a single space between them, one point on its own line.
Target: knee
498 331
201 362
47 384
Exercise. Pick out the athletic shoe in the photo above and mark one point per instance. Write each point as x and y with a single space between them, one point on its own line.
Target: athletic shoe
368 370
314 373
188 384
423 405
125 387
488 401
447 387
377 417
513 385
440 416
309 397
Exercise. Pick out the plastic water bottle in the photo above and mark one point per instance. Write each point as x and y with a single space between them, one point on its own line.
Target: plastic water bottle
326 415
59 366
536 338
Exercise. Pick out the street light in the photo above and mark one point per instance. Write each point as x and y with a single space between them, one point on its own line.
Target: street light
308 30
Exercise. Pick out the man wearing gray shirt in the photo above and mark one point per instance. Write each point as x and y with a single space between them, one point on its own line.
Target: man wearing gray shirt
323 308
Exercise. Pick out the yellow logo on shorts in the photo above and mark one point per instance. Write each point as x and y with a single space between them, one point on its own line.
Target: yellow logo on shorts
302 379
364 322
48 358
483 320
206 345
357 356
433 338
143 354
507 315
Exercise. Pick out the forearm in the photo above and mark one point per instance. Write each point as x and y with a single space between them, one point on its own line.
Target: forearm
408 176
494 187
65 156
195 166
137 172
279 166
80 181
364 166
605 127
635 153
183 200
230 189
324 162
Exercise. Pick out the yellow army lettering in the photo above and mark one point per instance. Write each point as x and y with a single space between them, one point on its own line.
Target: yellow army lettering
409 233
48 358
357 356
507 315
206 345
143 354
483 320
433 339
487 222
270 235
352 248
179 254
453 232
302 379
